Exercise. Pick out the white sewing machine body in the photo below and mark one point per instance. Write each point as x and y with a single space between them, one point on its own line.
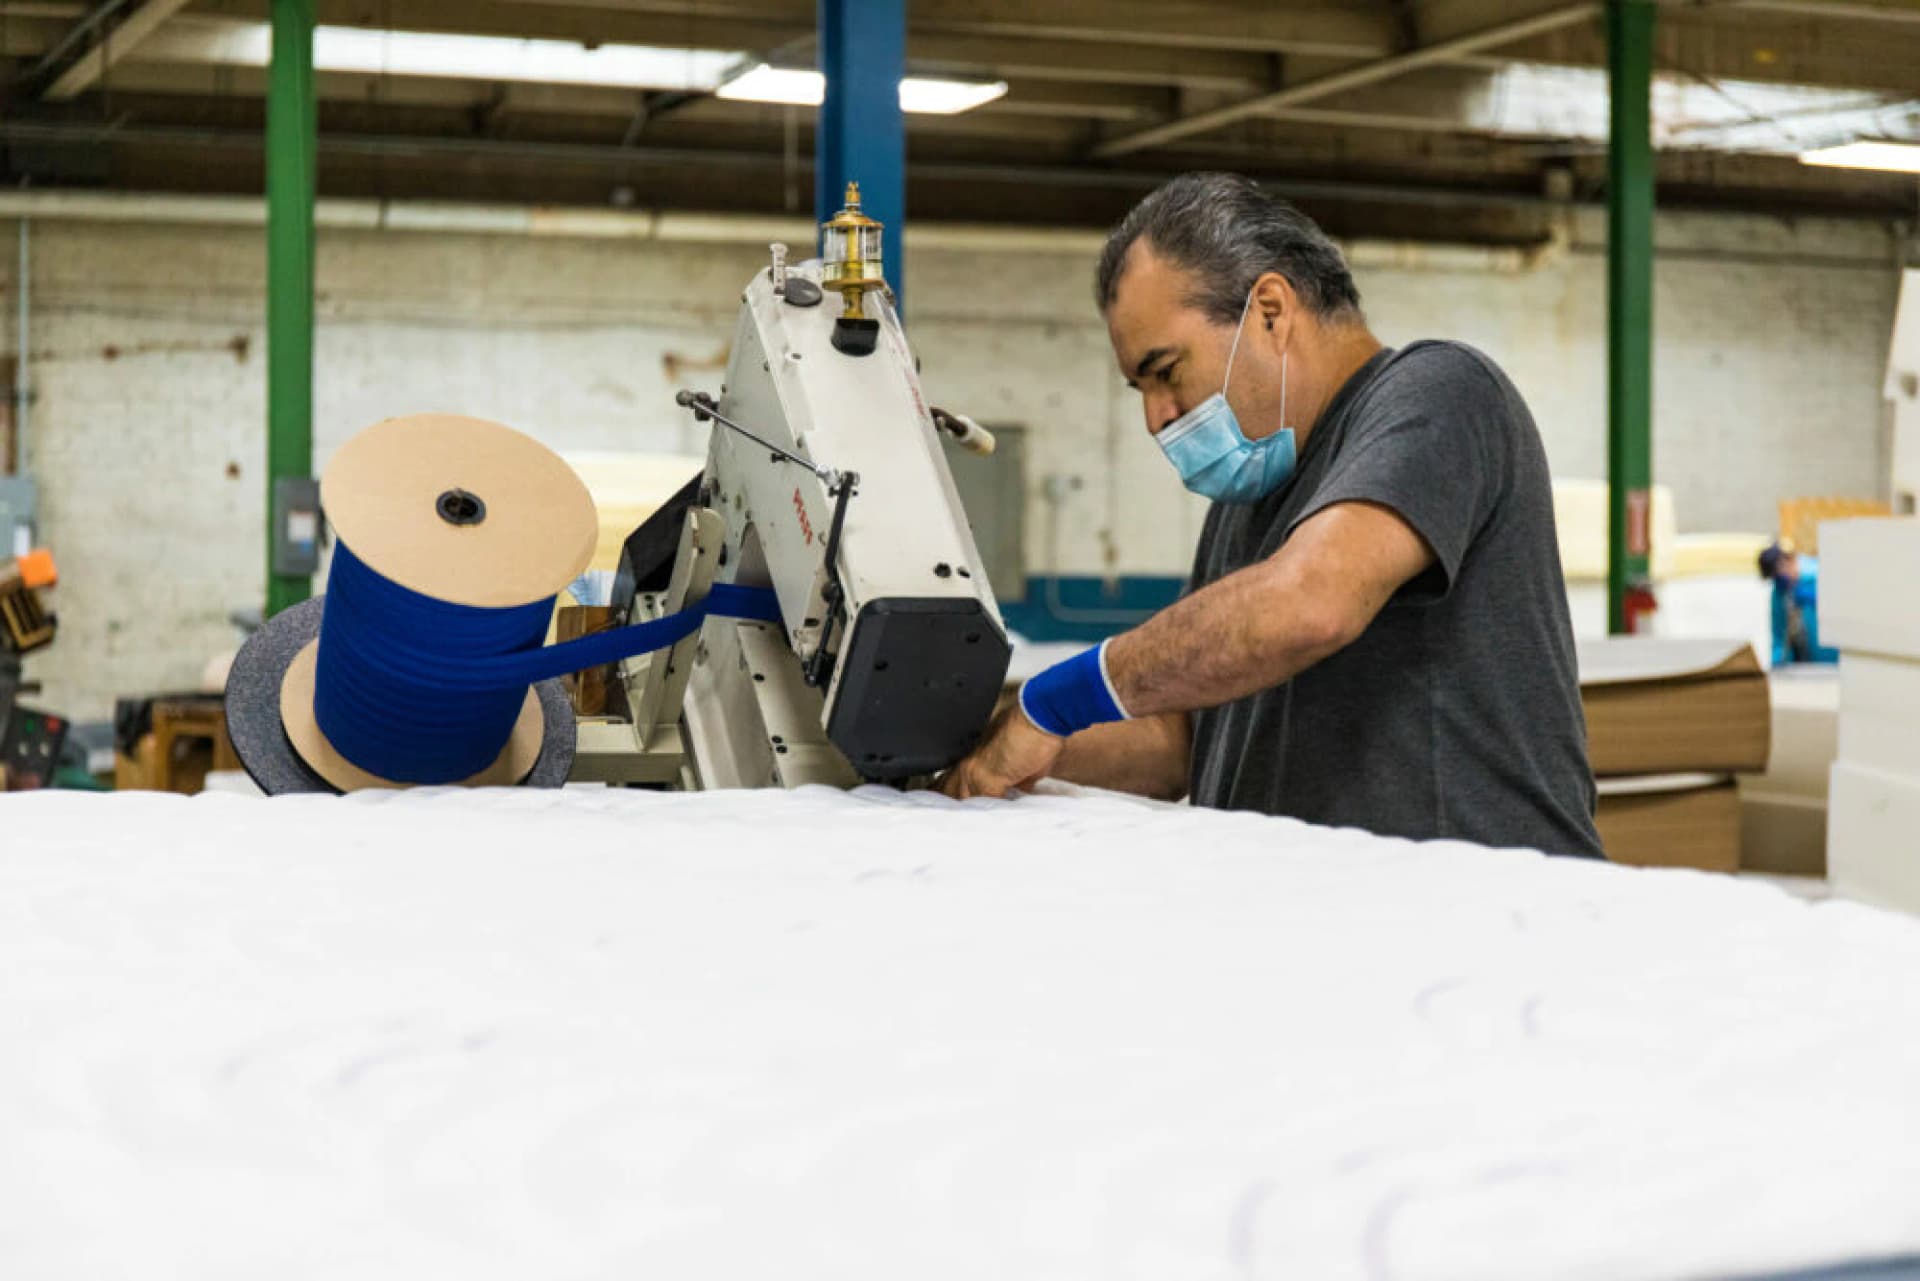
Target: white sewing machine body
891 652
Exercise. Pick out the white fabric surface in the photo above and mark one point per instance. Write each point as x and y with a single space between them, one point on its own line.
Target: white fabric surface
815 1035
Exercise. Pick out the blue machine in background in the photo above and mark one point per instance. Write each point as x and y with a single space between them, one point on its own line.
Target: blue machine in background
1796 606
1075 607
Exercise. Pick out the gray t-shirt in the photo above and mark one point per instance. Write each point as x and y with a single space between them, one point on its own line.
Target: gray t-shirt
1457 713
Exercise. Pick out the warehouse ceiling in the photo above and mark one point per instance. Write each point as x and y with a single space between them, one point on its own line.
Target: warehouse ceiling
1404 117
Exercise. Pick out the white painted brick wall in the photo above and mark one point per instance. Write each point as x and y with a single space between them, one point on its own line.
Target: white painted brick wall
1771 345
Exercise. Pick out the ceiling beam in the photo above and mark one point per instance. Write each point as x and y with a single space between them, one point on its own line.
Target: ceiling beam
1225 70
1354 78
72 35
760 27
1143 61
1837 9
1722 43
158 149
1023 98
1328 27
1337 30
110 46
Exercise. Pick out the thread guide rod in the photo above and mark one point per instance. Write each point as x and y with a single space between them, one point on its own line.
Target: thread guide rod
703 408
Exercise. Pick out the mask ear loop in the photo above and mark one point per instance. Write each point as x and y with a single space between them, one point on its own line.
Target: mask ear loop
1227 379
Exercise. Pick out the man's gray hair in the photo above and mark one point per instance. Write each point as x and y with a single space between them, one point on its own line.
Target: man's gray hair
1228 233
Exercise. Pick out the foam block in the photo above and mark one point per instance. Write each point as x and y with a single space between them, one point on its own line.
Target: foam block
1879 711
1868 569
1873 835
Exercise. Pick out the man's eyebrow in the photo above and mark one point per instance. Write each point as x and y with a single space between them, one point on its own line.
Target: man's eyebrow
1151 358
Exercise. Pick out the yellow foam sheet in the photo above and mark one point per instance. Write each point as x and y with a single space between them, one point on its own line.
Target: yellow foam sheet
1580 514
628 488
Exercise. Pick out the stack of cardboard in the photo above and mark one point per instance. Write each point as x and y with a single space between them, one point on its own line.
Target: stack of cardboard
1669 722
1870 610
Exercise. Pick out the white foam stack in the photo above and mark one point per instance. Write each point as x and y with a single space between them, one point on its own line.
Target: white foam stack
1870 611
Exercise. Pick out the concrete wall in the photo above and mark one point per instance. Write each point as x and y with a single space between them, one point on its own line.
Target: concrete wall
149 367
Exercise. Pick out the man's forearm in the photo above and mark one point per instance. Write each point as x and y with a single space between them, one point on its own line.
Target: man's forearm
1147 756
1251 630
1246 632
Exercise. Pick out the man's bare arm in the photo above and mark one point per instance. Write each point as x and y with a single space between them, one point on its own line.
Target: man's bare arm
1147 756
1260 626
1246 632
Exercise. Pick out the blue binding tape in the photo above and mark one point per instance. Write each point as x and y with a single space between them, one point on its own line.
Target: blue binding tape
1073 695
419 690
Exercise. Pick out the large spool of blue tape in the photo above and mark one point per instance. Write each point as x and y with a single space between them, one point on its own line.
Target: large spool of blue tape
454 534
423 661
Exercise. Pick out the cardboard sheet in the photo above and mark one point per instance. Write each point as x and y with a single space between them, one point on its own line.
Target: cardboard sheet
1676 822
1659 706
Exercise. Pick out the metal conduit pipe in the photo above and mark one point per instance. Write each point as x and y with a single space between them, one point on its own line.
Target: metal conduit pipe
689 228
22 337
1058 176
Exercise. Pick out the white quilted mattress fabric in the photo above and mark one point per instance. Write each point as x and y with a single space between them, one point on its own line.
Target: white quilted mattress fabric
814 1035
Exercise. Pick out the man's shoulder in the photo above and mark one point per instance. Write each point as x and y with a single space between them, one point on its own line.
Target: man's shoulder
1442 364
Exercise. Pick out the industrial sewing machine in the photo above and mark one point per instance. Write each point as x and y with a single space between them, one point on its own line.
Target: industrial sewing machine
825 486
825 480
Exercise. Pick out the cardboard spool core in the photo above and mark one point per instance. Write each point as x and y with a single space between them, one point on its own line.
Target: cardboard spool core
529 531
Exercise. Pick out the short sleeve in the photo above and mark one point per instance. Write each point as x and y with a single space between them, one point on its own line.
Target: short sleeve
1430 442
1203 570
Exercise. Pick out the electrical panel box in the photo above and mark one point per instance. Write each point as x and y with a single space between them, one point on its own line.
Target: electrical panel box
18 498
296 526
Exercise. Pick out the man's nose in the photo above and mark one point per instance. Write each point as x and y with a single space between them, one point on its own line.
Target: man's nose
1161 410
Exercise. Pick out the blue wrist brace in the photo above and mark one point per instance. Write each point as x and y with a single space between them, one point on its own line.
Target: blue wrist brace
1072 695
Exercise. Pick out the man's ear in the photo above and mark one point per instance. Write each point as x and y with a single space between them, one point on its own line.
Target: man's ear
1273 295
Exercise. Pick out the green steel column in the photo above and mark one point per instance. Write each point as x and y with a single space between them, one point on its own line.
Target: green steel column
1629 305
292 140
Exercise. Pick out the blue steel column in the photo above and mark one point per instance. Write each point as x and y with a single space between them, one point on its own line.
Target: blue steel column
1629 309
861 136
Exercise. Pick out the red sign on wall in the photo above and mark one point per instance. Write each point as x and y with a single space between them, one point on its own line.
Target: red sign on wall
1639 521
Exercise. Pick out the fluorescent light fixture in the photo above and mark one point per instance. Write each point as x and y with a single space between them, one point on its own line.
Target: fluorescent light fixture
1896 157
423 53
799 87
929 96
787 86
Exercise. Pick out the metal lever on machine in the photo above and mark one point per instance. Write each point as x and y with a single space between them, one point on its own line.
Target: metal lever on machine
841 487
820 667
703 408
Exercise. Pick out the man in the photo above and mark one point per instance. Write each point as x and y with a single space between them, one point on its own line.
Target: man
1376 632
1796 605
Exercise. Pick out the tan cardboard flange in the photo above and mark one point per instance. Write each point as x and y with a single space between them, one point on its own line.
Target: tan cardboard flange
538 534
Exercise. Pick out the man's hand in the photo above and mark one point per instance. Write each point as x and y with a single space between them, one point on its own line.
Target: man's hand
1014 754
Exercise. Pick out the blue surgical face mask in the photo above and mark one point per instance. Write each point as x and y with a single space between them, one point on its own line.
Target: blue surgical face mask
1214 457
